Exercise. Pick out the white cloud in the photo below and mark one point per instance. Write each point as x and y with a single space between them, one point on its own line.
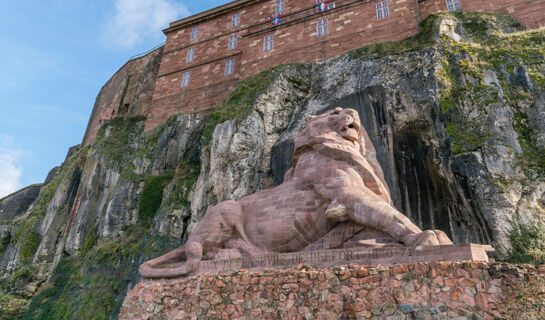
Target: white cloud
10 171
138 20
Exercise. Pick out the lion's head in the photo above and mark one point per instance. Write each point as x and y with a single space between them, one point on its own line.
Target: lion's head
338 127
339 134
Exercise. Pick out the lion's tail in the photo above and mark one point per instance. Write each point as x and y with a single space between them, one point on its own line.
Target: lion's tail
192 252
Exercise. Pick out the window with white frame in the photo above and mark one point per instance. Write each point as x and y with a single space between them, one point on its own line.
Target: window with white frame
229 66
194 33
186 76
235 20
321 27
279 6
382 9
190 55
454 5
268 42
232 42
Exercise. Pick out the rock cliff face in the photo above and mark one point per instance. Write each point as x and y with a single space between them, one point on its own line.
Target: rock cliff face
455 114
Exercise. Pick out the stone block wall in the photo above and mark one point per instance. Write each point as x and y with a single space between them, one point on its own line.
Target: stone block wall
528 12
128 92
440 290
351 25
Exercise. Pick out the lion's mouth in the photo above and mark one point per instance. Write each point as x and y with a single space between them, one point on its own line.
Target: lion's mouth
350 131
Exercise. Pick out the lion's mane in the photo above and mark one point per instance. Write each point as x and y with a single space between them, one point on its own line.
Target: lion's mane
321 135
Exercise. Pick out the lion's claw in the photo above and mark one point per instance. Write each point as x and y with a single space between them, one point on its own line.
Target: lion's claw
428 238
336 212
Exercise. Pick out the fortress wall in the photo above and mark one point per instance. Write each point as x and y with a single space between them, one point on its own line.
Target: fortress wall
351 25
349 28
528 12
439 290
128 93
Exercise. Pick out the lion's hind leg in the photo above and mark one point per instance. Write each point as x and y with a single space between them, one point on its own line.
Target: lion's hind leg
228 229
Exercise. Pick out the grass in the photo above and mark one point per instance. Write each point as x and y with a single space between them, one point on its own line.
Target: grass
152 196
528 244
93 285
239 104
12 308
424 39
25 236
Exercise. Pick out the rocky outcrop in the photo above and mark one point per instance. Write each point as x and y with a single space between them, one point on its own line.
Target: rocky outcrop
18 203
455 118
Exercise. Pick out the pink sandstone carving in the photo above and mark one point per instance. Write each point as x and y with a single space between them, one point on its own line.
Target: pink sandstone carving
335 179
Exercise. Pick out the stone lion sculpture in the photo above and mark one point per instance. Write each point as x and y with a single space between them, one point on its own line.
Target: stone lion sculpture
335 177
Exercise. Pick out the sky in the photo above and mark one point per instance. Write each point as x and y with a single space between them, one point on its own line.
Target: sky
55 56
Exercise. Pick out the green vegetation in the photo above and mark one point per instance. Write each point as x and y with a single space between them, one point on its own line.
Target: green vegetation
25 237
239 104
152 196
183 185
484 47
11 308
90 240
29 245
528 244
116 140
424 39
92 285
22 276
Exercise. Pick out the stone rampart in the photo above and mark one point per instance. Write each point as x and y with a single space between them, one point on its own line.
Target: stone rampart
440 290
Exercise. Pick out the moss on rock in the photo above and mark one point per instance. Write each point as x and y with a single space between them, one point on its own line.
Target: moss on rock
152 196
92 285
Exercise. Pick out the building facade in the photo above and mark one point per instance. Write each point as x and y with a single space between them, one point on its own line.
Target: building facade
207 54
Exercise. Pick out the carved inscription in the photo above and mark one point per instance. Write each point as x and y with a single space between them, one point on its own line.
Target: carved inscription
322 258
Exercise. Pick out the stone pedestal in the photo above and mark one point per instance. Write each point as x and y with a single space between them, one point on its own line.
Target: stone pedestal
419 290
366 255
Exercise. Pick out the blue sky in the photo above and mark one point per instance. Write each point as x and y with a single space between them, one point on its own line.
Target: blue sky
54 57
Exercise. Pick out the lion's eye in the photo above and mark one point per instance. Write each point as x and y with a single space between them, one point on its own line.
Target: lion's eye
351 126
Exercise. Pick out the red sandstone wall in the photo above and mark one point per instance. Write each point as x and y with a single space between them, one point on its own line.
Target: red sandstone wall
529 12
350 27
444 290
128 92
352 24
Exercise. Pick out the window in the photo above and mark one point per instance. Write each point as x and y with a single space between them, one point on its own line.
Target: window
454 5
382 9
321 27
194 33
235 20
279 6
185 78
268 42
232 42
190 55
229 66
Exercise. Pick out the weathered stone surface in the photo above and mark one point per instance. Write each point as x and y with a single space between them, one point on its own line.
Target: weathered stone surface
18 203
406 291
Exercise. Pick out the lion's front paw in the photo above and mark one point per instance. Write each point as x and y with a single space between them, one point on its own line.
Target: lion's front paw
337 212
428 238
